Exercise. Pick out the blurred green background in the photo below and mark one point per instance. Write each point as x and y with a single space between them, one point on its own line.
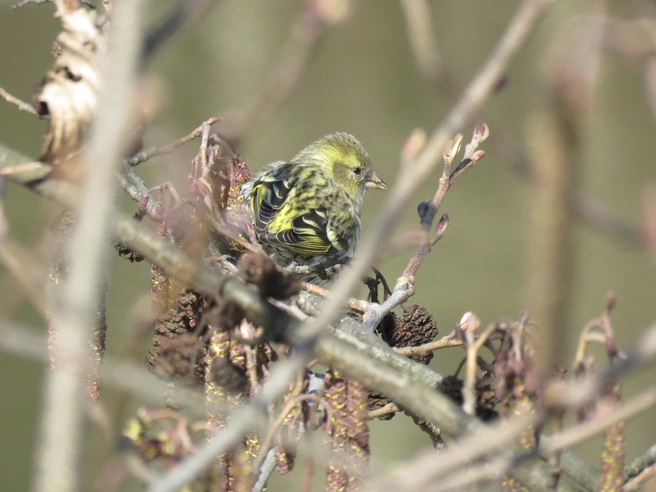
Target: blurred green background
362 79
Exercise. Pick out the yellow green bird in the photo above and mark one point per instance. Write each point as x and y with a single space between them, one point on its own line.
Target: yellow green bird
307 211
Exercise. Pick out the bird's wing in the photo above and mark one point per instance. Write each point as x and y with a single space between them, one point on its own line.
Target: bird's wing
301 226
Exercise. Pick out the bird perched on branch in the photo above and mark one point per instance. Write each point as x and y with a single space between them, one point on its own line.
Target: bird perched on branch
307 211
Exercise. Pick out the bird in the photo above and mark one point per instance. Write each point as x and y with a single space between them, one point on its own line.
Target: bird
306 211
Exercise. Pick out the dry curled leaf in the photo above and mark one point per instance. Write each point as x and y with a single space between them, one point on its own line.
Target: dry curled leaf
69 92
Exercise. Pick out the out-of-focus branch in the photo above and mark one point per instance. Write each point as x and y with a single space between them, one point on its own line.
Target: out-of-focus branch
423 470
632 39
313 20
185 11
360 355
635 469
590 428
577 393
549 252
404 287
423 43
25 269
417 170
22 105
126 375
554 140
59 452
147 154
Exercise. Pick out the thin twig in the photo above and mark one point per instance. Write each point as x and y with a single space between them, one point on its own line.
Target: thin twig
125 375
640 463
251 369
473 346
385 410
357 305
266 469
185 11
26 272
59 452
416 170
304 34
444 342
422 40
425 469
639 480
358 353
590 428
144 155
273 429
22 105
576 393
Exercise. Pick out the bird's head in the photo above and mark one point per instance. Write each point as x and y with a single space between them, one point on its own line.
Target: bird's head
345 159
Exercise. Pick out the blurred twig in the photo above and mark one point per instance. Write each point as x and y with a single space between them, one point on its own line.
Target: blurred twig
580 432
419 472
417 170
576 393
22 105
640 469
312 21
185 11
61 426
145 155
633 39
122 374
359 354
25 271
424 45
555 139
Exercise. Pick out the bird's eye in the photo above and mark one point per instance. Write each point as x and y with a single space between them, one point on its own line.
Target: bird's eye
357 171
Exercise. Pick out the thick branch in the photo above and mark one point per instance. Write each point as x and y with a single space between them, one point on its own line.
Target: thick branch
359 353
60 448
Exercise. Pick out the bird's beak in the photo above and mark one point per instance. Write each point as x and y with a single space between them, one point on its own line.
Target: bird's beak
374 181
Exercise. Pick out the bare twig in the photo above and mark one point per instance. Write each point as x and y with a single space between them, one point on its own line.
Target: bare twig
61 425
310 24
469 326
576 393
639 480
424 469
422 40
122 374
185 10
386 410
646 460
444 342
356 305
360 354
144 155
404 287
590 428
25 270
22 105
416 170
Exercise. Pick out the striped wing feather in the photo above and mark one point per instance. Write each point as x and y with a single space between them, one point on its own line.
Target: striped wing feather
305 232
